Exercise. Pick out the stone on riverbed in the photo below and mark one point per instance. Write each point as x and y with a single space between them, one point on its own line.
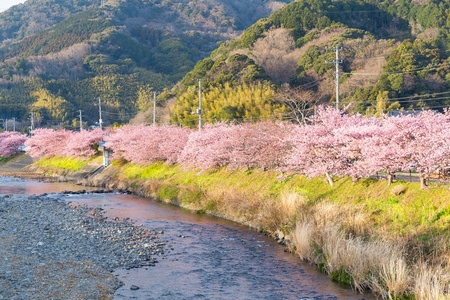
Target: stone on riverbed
65 250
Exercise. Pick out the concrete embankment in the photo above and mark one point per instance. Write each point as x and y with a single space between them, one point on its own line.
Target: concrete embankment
18 166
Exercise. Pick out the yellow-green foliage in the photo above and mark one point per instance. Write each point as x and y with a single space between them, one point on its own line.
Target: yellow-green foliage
225 103
412 212
361 233
59 162
49 106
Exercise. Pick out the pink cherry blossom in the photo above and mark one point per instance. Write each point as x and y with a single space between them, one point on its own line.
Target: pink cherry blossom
10 143
83 143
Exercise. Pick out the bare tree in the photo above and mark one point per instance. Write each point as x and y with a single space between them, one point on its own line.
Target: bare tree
300 102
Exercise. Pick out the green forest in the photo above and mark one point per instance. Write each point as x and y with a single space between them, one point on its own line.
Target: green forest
395 55
120 53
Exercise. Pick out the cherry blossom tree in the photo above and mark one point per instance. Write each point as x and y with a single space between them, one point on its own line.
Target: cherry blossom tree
423 142
260 145
208 148
148 144
331 143
83 143
10 143
47 142
173 141
352 139
317 147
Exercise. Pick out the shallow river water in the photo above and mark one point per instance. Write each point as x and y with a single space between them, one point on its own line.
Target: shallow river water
206 257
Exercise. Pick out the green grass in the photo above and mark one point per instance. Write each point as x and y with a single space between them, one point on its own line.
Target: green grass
419 219
65 163
413 211
5 159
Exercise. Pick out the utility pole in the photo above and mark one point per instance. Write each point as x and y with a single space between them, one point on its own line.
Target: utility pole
154 108
6 124
199 111
100 121
14 124
102 3
81 122
336 62
32 120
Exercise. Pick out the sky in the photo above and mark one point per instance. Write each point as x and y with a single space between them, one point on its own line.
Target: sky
5 4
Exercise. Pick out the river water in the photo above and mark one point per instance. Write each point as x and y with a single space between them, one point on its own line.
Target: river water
206 257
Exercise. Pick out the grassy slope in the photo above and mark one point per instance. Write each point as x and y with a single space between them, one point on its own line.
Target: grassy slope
415 220
411 212
59 162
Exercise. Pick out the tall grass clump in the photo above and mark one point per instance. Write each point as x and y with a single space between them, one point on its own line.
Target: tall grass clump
302 241
323 235
431 282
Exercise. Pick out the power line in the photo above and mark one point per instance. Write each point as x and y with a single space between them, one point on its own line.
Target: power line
118 113
407 98
435 67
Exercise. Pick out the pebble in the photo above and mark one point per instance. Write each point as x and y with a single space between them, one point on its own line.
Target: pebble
65 250
134 287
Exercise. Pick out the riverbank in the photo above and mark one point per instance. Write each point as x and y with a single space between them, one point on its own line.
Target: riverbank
52 250
17 166
393 240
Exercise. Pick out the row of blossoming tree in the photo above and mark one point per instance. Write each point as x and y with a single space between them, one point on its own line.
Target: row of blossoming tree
11 143
333 143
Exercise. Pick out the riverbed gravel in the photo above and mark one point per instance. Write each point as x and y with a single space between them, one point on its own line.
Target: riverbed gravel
50 249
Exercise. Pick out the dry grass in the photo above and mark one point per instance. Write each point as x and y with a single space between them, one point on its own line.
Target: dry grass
395 274
377 264
291 202
398 190
431 282
347 230
302 239
322 235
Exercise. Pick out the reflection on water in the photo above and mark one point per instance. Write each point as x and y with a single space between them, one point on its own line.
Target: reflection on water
19 186
206 257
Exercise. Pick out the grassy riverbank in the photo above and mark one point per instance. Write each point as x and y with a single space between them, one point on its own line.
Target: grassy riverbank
63 163
362 233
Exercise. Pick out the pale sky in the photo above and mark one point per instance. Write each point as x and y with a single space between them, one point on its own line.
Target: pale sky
5 4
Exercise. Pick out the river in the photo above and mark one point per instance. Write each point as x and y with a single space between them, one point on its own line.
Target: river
206 258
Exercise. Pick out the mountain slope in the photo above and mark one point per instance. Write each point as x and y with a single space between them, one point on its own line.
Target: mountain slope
122 52
393 52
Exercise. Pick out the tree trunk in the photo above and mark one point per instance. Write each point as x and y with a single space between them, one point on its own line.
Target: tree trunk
329 178
390 178
423 181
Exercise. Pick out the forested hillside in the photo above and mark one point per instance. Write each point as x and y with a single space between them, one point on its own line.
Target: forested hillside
395 55
60 56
